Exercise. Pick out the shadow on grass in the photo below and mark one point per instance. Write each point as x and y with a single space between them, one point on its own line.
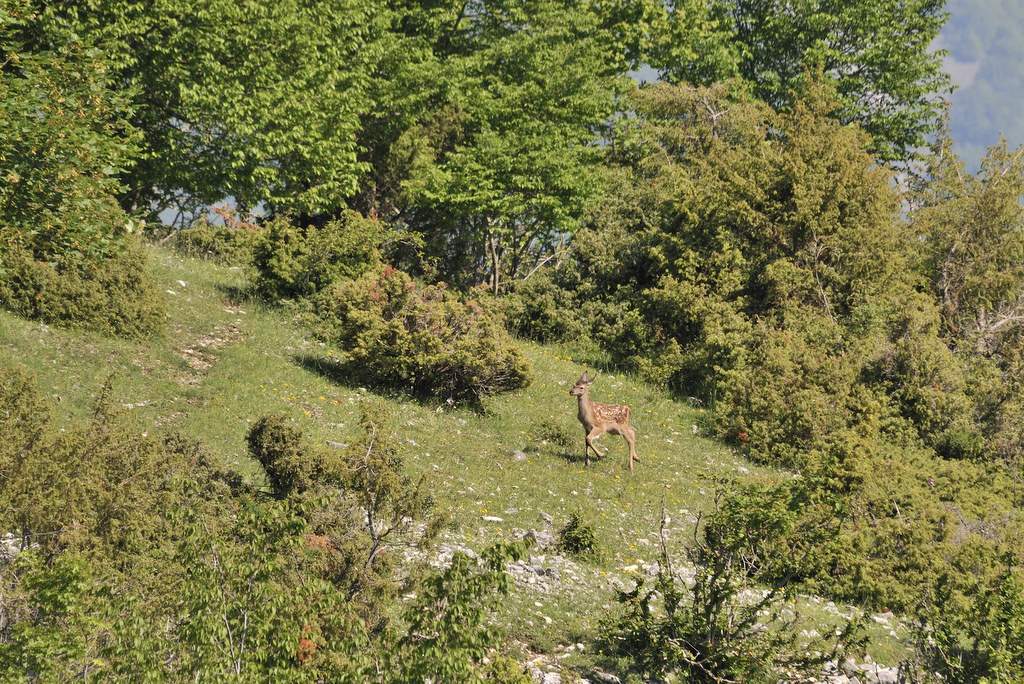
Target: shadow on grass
241 294
344 374
327 368
569 454
572 456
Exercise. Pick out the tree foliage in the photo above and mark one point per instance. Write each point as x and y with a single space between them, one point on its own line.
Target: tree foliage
879 54
67 253
257 101
492 154
758 260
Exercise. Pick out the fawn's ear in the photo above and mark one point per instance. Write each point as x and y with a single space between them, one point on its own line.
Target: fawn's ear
584 379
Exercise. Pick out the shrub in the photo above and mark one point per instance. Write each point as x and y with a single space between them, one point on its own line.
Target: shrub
792 394
66 253
294 262
422 339
358 501
577 536
539 309
448 635
973 636
46 633
722 628
138 559
113 294
960 445
553 432
100 487
279 449
231 243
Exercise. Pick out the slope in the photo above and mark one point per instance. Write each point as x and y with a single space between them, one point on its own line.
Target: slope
225 362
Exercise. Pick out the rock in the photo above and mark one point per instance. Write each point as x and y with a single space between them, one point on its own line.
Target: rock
849 667
546 518
519 455
888 675
604 677
138 404
492 518
552 678
541 539
10 545
876 674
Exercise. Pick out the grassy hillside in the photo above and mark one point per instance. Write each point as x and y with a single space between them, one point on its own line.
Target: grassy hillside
225 362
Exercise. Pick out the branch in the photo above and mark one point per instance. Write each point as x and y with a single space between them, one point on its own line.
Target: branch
541 263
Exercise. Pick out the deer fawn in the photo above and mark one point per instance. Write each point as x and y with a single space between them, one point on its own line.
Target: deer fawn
598 419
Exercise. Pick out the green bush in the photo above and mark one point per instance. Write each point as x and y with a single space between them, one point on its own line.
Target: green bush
66 251
421 339
554 432
723 627
231 243
113 294
577 537
970 630
294 262
539 309
100 487
137 558
960 445
278 447
448 635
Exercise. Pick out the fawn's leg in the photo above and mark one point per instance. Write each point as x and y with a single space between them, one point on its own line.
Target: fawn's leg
586 449
630 436
591 436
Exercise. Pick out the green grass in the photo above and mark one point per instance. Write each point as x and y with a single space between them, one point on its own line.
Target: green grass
248 360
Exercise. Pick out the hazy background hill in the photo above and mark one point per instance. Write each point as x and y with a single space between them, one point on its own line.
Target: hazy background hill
985 39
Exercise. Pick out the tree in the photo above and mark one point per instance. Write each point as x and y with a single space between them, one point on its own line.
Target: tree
973 232
64 138
740 214
67 253
258 101
499 107
878 52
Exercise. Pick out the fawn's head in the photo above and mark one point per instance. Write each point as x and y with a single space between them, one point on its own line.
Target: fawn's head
581 386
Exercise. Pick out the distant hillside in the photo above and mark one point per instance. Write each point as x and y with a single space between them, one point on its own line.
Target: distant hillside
985 39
